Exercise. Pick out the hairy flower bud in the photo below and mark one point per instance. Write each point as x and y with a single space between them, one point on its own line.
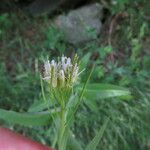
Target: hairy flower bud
47 71
61 78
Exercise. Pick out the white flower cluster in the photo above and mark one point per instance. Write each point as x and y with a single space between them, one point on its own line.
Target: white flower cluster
63 73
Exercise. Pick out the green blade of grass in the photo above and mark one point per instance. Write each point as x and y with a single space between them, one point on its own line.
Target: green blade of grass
72 143
80 97
94 143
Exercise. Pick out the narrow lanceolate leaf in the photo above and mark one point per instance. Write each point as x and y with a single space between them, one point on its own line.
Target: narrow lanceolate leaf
94 143
26 119
85 60
39 106
72 143
102 91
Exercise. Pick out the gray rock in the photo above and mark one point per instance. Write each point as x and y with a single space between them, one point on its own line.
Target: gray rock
81 25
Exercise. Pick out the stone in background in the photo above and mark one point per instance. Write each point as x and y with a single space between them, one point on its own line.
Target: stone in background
81 25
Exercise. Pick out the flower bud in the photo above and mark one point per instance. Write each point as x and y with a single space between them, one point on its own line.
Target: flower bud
53 73
47 72
61 78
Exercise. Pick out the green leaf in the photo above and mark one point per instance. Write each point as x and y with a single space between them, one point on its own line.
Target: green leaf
103 91
101 86
25 119
94 143
92 104
39 106
84 61
73 144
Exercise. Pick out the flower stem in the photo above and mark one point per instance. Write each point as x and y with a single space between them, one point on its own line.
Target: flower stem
61 140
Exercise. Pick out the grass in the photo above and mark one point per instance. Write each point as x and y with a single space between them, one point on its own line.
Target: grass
129 125
25 43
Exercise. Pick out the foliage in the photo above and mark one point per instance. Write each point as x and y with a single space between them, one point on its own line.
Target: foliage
124 61
54 39
5 24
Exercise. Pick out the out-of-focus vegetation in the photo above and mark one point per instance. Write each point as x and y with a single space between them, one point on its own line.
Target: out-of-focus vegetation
120 54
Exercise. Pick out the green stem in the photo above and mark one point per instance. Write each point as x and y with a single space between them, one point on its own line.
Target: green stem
61 144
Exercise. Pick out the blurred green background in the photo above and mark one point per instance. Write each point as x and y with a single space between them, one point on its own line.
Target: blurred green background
120 54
